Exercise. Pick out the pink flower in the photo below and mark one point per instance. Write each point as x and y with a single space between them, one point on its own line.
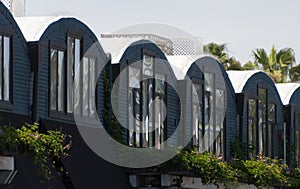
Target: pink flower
37 137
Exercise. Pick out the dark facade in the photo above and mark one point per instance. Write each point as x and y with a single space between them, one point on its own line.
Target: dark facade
260 113
62 59
16 75
143 60
201 103
210 106
290 96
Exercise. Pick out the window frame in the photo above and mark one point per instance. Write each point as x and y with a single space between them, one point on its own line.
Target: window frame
53 45
152 140
4 104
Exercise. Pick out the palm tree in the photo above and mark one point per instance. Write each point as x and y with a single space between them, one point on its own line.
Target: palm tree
294 73
220 51
276 64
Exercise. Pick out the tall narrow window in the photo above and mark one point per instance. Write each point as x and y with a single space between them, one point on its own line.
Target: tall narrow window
252 127
77 77
209 109
134 106
73 74
146 109
70 74
88 87
297 140
262 126
57 77
160 109
219 129
271 129
5 68
197 116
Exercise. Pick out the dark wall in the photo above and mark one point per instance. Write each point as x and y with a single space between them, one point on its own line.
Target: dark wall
251 90
134 54
22 76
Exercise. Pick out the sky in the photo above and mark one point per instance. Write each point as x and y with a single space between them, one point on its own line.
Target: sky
243 25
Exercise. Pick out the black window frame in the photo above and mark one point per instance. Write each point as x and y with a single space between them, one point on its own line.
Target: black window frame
151 136
4 104
53 45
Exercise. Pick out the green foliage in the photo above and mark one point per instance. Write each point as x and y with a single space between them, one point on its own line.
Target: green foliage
295 73
111 124
43 148
249 66
260 171
276 64
206 166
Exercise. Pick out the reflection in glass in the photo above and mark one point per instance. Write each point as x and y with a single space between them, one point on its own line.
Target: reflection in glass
262 103
197 116
92 86
70 74
252 127
85 84
271 124
61 79
1 68
53 87
77 86
6 65
148 65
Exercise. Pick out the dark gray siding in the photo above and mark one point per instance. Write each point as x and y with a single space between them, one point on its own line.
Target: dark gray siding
134 54
251 89
21 66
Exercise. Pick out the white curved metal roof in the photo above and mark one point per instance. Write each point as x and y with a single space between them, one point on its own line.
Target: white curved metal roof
286 91
240 78
34 27
182 64
117 46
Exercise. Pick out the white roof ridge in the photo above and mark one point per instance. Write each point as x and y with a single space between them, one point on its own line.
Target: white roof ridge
33 27
239 78
286 91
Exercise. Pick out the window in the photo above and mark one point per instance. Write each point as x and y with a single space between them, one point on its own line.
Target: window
271 129
297 145
262 121
57 69
197 116
5 68
146 108
73 66
252 114
219 128
214 113
89 75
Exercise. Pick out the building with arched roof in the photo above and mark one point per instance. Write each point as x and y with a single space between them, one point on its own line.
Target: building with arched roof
66 61
260 113
290 96
209 101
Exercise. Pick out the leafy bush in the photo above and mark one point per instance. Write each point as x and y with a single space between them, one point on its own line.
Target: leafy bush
43 148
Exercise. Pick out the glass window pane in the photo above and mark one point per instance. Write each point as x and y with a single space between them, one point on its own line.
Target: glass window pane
61 86
77 80
134 77
53 72
262 95
85 100
6 66
70 75
1 68
252 127
92 86
148 65
160 83
271 121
